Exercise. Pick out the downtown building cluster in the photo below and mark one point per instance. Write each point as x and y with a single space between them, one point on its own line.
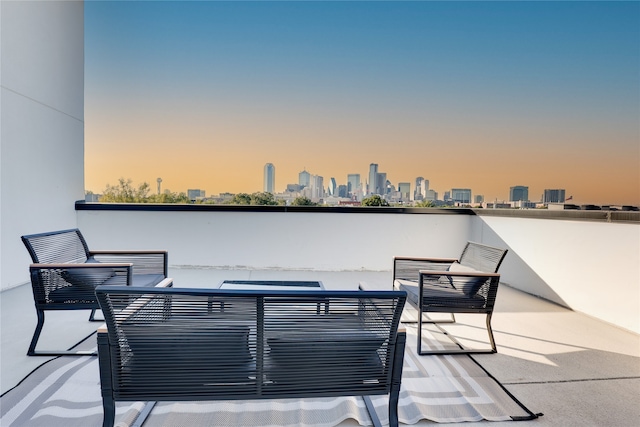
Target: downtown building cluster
355 189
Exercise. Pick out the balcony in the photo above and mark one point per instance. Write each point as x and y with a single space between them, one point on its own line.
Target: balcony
566 320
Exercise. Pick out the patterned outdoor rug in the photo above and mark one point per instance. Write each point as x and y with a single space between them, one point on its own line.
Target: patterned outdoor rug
446 389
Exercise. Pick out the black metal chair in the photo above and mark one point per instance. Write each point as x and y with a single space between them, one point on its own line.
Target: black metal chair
214 344
446 285
65 273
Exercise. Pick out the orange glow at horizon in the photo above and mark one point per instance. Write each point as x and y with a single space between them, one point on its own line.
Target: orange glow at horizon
220 157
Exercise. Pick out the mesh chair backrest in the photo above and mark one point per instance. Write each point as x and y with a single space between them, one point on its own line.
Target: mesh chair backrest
482 257
65 246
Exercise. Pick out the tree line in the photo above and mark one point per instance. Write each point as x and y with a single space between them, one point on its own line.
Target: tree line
125 192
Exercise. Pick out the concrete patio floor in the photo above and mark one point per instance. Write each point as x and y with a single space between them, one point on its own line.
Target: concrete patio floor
574 369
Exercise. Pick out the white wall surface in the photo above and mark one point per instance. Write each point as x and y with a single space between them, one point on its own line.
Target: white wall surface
591 267
41 124
285 240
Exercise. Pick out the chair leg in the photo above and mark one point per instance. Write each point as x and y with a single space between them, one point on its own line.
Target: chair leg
394 393
462 349
109 408
490 331
452 320
36 336
372 411
419 346
92 316
36 333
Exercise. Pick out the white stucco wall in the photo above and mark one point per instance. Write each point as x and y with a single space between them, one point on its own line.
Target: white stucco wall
591 267
41 124
287 240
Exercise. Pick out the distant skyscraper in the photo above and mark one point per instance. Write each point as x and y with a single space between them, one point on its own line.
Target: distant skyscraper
316 187
553 196
269 178
405 191
424 188
381 183
373 179
417 194
519 192
461 195
194 194
304 178
353 183
333 187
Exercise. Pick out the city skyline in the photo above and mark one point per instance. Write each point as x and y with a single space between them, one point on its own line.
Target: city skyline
480 95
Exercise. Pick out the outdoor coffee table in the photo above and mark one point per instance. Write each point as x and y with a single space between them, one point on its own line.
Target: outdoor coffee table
275 285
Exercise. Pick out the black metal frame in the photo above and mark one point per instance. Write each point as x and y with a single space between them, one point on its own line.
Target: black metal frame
126 368
57 253
424 279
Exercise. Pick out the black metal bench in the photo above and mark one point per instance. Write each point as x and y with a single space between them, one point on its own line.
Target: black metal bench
65 273
443 285
183 344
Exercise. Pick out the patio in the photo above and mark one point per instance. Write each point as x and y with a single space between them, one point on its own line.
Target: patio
575 369
578 366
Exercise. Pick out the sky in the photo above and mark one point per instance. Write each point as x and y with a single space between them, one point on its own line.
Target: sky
483 95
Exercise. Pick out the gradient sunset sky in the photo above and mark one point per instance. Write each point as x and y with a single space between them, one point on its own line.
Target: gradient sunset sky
480 95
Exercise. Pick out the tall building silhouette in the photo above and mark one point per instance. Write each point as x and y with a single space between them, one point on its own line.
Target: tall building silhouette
333 186
316 187
417 193
519 192
353 183
373 179
381 183
405 191
304 178
461 195
553 196
269 178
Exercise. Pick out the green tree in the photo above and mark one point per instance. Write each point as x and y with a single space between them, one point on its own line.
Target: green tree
240 199
124 192
263 198
374 200
302 201
169 197
425 204
258 198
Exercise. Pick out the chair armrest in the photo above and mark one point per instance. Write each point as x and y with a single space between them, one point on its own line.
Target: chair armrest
114 265
458 273
407 268
166 283
144 262
418 259
468 282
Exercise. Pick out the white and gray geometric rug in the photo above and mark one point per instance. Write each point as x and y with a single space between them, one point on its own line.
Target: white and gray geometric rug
445 389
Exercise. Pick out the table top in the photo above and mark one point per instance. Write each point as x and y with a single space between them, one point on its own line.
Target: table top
276 285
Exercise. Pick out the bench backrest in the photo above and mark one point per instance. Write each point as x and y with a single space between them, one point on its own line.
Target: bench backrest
211 344
56 247
482 257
